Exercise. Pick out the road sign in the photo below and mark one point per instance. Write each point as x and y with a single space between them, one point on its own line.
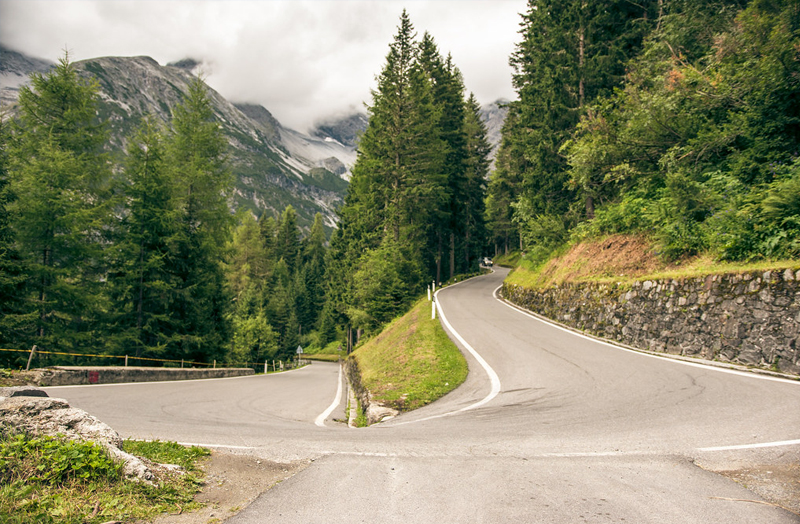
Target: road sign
299 350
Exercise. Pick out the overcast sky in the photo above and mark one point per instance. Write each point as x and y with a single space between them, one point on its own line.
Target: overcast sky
302 60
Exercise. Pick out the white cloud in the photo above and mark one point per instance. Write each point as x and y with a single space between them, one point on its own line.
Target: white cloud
303 60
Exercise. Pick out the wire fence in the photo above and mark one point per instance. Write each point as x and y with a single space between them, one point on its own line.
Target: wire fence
123 360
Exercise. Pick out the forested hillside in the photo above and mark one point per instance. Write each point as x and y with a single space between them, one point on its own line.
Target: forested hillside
414 209
140 254
674 119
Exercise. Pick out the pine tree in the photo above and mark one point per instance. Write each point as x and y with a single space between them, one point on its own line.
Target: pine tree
142 282
476 175
58 174
248 262
505 187
312 276
572 52
14 315
203 182
416 187
287 240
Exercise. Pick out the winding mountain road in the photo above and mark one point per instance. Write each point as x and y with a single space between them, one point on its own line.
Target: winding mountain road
549 427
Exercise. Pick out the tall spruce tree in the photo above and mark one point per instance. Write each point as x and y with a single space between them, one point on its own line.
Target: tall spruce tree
248 271
476 176
58 174
410 194
287 240
142 283
197 152
571 53
14 315
312 274
448 99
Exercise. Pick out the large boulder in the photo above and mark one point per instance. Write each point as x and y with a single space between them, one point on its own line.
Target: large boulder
38 415
22 391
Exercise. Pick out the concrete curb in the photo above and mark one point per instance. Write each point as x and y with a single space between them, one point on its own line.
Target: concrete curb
85 375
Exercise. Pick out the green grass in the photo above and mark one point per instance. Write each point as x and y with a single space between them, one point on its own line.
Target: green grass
323 357
50 480
411 362
509 260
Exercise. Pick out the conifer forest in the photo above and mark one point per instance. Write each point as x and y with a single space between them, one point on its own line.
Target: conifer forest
674 119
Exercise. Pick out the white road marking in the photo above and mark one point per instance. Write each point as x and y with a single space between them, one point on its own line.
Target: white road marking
643 353
493 378
320 421
754 446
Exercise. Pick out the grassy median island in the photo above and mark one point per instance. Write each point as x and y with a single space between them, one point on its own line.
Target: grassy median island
49 480
411 362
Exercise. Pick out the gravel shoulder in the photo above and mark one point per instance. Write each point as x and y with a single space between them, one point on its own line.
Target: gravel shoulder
232 482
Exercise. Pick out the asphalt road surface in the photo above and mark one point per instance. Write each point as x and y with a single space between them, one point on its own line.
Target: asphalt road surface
549 427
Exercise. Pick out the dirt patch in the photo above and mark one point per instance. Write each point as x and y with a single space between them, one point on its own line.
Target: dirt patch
778 484
614 256
10 378
232 482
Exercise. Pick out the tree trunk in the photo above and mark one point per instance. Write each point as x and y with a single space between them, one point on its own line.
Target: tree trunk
581 61
439 257
466 249
589 207
452 255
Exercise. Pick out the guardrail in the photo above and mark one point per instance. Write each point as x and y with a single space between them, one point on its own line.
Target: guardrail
275 364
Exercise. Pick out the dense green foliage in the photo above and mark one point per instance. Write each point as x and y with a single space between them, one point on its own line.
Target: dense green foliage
414 208
57 481
142 258
677 119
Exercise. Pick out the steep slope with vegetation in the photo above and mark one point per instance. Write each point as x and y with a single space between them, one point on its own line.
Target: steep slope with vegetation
679 120
108 252
414 208
270 170
141 255
411 362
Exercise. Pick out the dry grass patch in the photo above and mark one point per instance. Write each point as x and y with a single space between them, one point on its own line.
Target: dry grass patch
627 258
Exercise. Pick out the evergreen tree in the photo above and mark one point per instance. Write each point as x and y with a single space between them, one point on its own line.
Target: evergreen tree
203 182
58 174
312 276
281 312
254 340
248 262
142 282
287 240
448 99
505 187
268 228
572 52
14 315
476 167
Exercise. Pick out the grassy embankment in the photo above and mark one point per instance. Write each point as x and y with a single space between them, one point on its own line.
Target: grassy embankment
53 481
411 362
625 259
329 353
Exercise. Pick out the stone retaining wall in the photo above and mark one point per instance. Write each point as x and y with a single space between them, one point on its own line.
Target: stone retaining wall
78 375
374 411
750 318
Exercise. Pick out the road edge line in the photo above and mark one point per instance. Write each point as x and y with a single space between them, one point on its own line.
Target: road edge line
669 358
320 420
752 446
493 378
